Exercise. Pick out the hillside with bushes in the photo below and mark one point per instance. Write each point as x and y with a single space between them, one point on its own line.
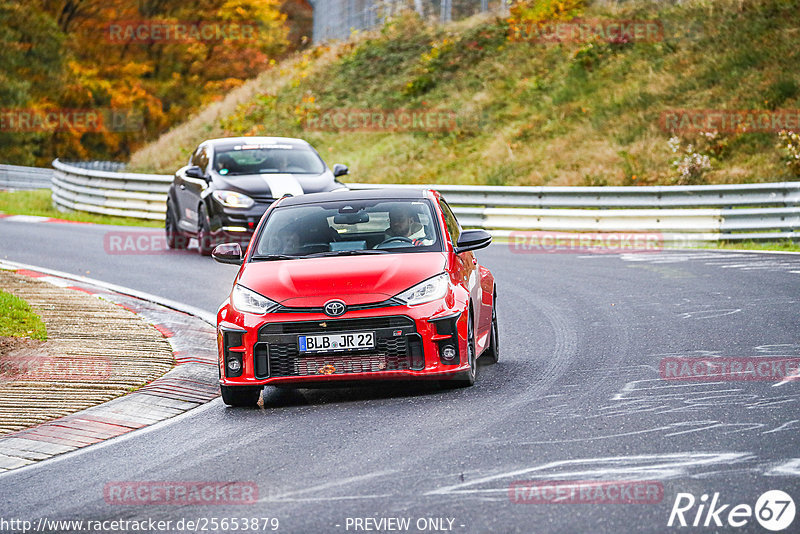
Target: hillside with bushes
525 108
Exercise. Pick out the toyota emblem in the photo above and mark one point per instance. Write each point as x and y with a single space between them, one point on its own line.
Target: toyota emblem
334 308
327 370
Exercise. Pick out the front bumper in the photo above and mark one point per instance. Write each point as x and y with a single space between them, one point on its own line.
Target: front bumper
409 342
236 225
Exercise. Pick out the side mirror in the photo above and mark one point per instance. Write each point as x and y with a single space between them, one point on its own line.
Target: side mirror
195 172
473 240
228 253
340 170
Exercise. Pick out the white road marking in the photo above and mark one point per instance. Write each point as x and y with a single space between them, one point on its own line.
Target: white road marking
743 261
630 388
342 498
708 314
616 467
26 218
784 425
59 282
790 468
786 380
327 485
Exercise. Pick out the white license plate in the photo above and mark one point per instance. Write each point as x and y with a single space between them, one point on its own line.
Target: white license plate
337 342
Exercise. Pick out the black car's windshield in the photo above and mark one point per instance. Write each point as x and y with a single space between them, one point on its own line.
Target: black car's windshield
267 159
349 228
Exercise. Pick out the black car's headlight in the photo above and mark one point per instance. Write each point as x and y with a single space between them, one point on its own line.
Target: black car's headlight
431 289
232 199
248 301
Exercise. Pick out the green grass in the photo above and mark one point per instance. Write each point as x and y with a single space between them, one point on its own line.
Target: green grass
530 113
39 203
785 245
17 319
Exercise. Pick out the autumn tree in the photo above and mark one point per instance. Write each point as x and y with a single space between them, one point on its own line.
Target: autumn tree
60 53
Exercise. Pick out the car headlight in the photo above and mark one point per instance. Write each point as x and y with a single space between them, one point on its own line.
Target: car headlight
232 199
431 289
248 301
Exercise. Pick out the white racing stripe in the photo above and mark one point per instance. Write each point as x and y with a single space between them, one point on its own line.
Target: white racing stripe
282 184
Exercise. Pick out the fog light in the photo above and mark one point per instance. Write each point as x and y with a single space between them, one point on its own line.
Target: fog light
234 365
448 353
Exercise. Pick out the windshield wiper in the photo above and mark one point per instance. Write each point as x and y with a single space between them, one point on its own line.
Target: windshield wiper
346 252
270 257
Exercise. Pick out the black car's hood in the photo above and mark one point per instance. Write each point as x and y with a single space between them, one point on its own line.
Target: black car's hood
276 185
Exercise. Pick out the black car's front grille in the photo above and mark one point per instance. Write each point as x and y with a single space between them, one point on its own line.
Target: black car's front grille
262 199
397 347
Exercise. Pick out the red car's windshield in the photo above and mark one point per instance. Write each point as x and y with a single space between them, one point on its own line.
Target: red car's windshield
355 227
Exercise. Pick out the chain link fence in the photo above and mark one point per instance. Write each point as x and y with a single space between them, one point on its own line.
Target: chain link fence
337 19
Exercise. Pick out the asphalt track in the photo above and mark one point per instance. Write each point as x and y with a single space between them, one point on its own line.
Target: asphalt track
576 396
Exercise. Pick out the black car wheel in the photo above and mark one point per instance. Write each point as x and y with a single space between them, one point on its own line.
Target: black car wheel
205 242
492 353
240 395
467 378
175 239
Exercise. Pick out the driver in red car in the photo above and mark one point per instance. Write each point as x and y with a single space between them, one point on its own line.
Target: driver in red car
403 222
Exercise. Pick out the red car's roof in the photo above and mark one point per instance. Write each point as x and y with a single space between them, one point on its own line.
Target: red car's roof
343 195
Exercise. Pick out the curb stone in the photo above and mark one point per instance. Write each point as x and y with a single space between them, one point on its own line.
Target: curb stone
192 382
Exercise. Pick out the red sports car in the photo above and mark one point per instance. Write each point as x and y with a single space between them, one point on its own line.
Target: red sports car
349 286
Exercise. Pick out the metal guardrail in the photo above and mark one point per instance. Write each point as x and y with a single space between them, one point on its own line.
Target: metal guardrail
15 177
683 214
113 166
142 196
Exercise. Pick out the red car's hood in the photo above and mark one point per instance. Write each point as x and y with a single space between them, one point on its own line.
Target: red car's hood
353 279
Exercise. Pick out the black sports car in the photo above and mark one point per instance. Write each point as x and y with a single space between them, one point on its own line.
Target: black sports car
229 183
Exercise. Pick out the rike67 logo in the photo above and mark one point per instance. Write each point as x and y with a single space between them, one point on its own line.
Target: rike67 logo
774 510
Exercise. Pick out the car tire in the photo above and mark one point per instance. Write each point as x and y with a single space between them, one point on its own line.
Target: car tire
175 239
466 378
240 395
205 243
492 353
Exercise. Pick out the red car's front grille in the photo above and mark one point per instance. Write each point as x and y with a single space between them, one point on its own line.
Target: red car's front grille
335 325
285 361
397 347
